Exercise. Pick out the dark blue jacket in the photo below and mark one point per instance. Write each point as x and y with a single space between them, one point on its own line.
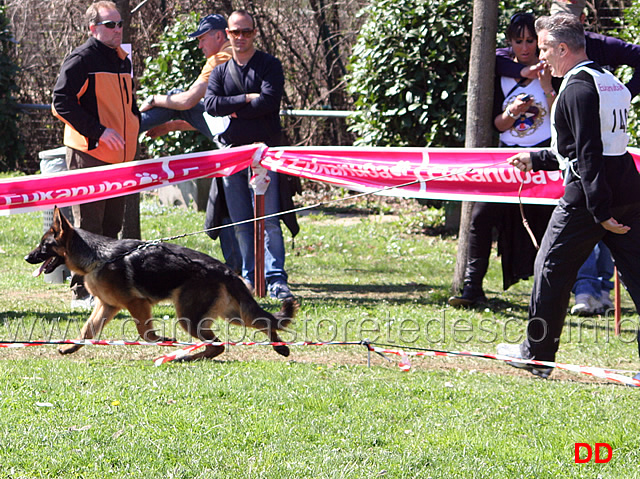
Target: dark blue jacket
258 120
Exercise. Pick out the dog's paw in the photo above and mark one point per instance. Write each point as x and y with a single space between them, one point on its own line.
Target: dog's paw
69 348
282 350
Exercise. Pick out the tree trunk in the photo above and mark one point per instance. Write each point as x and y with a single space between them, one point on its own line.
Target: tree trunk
131 223
478 131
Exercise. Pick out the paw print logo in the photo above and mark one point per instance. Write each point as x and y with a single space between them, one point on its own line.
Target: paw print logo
146 178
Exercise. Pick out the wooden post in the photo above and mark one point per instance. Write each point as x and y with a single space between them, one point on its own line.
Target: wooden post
478 132
259 183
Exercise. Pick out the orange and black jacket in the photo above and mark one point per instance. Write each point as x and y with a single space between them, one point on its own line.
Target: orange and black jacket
94 92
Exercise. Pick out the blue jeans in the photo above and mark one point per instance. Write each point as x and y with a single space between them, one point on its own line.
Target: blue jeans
157 116
239 197
595 274
230 247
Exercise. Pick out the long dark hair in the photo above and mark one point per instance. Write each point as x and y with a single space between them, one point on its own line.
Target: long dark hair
520 22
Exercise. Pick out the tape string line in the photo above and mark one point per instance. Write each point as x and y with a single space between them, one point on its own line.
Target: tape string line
614 375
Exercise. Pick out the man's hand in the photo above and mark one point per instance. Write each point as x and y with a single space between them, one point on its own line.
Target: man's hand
111 139
148 104
531 71
522 161
612 225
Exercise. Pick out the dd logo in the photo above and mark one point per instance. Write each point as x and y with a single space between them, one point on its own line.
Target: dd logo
598 447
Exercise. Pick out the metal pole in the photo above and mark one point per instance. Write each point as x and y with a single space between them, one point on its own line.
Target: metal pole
616 301
258 245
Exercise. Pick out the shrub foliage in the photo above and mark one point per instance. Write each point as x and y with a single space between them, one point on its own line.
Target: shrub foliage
176 64
408 72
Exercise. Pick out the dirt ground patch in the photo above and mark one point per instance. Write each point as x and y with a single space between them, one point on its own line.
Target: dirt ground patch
322 356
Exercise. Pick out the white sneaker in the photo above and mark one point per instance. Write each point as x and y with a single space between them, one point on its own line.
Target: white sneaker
85 304
605 300
587 305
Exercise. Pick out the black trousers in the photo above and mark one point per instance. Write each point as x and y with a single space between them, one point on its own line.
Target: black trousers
570 237
103 217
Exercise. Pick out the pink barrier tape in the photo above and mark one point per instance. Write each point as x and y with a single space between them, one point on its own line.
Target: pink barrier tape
476 174
461 174
602 373
37 192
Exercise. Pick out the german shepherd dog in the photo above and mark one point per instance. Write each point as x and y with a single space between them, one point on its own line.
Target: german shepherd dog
134 275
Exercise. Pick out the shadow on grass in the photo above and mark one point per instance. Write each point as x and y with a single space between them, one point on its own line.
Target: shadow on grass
399 294
629 322
367 293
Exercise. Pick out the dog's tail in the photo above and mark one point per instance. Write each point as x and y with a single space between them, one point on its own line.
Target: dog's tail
256 317
286 313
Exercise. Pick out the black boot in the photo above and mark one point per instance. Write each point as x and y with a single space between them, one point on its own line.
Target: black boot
472 293
471 296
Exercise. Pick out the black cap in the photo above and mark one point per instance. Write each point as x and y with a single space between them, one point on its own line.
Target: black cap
208 23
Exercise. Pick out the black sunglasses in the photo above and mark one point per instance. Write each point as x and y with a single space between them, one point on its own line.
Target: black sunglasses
111 24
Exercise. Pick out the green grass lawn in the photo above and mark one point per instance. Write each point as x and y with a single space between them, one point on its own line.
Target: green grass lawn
107 411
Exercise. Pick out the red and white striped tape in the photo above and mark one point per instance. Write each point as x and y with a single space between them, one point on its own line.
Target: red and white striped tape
589 370
89 342
404 364
165 358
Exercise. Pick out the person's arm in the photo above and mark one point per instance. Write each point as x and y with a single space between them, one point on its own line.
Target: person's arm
544 75
271 88
180 101
511 113
71 81
613 52
506 67
216 100
535 161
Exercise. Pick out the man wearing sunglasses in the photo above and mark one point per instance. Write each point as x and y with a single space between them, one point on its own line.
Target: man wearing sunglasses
249 88
94 98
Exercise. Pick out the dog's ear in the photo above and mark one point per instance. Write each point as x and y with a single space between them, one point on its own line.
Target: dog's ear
60 222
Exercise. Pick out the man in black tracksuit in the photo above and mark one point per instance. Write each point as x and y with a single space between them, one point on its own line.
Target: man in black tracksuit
602 186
